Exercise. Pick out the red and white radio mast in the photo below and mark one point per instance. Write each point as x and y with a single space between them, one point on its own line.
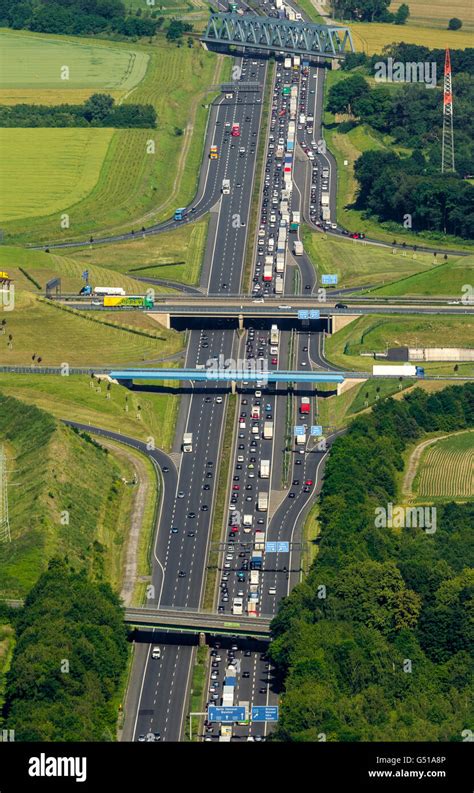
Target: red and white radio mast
447 149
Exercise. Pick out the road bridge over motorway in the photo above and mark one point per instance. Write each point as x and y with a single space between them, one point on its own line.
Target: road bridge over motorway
267 34
210 374
190 621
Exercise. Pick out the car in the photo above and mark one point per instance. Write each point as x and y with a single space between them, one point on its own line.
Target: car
174 530
156 653
206 487
291 495
296 481
245 674
182 574
340 305
141 738
272 590
262 690
180 494
309 482
219 400
191 514
157 736
209 475
297 462
204 508
165 469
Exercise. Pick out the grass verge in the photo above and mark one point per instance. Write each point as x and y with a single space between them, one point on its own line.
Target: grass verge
198 683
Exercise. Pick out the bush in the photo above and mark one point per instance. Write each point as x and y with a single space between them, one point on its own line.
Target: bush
454 24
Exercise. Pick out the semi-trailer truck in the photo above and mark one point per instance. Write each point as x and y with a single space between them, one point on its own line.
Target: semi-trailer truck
295 221
259 543
109 290
301 440
279 285
324 199
274 334
404 370
298 248
262 502
264 469
287 61
187 445
326 213
267 272
237 606
116 301
256 560
280 263
247 523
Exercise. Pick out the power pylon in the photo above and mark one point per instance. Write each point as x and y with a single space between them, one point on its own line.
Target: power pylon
5 535
447 148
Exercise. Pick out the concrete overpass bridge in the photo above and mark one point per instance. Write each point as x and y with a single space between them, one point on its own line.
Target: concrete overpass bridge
196 622
216 374
267 34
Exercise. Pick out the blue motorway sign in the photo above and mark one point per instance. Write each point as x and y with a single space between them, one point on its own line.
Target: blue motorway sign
264 713
303 313
316 429
314 313
277 547
299 430
329 280
226 714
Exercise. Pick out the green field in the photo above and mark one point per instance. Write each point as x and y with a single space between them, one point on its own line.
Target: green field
66 172
357 264
175 255
377 333
32 60
135 184
73 398
446 469
445 279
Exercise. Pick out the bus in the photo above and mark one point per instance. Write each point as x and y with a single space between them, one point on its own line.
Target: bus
235 131
213 154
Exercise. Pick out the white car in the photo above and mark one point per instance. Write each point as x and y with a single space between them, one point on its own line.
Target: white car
258 394
156 653
272 590
219 400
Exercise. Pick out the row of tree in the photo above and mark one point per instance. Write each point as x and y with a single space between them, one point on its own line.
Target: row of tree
374 644
369 11
461 60
69 660
97 111
76 17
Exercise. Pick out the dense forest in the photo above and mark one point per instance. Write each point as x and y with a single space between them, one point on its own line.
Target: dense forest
375 644
392 187
97 111
77 17
68 662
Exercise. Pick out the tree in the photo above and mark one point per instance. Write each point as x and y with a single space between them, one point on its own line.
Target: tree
98 106
343 95
401 15
454 24
177 29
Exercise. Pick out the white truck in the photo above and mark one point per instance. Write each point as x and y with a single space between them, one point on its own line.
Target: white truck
262 502
325 199
298 248
247 523
264 469
301 440
254 577
226 186
268 430
259 544
280 152
287 60
302 118
280 264
402 370
237 606
326 213
278 285
274 334
225 733
187 445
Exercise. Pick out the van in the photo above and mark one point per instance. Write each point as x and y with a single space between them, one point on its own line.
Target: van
156 653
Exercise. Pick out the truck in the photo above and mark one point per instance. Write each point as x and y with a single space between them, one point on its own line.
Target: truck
305 406
302 119
274 334
262 502
187 444
254 578
237 606
279 285
324 199
109 290
287 63
326 213
264 469
280 152
298 248
235 131
402 370
295 221
301 440
296 58
213 153
139 301
179 213
228 696
247 523
251 608
226 186
256 560
268 430
280 264
267 272
290 145
291 15
225 734
286 90
259 543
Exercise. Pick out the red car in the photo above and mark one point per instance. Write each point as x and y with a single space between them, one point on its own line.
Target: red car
309 482
274 360
235 487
